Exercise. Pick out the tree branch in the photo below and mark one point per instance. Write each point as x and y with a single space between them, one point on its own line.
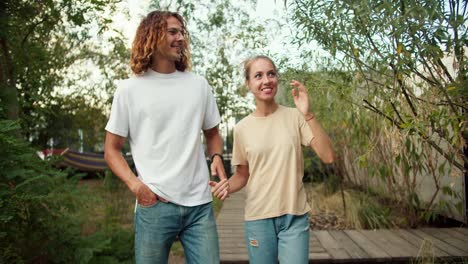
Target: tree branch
433 144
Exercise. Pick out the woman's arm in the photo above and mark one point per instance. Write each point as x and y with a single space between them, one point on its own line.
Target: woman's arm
321 143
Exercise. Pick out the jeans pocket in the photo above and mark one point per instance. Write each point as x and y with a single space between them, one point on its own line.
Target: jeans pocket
149 206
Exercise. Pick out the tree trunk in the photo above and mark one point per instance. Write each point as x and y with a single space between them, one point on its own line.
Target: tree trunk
9 103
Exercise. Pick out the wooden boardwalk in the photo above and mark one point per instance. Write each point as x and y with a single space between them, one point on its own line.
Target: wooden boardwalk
350 246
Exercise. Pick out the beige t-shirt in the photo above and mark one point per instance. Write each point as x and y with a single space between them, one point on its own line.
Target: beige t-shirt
271 146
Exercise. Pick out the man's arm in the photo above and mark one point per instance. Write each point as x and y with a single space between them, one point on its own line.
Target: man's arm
118 165
214 144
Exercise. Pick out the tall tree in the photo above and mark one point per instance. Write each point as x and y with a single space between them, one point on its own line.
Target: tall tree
409 55
65 118
39 41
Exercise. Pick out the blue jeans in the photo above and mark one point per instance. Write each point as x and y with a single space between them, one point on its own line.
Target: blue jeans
284 238
157 226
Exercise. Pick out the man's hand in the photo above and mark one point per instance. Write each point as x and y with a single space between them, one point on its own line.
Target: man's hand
217 168
145 196
220 189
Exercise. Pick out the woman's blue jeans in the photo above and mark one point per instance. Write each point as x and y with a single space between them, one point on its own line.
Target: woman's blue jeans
284 238
157 226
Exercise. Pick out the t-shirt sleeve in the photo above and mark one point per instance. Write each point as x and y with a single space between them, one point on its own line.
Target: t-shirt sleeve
118 120
306 133
212 117
239 156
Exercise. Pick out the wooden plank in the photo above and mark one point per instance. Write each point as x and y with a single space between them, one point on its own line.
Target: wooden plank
234 258
230 236
316 247
314 244
331 245
354 251
233 250
386 244
442 235
233 243
238 216
319 256
455 232
368 246
232 225
438 243
240 251
231 213
230 231
400 243
463 230
422 245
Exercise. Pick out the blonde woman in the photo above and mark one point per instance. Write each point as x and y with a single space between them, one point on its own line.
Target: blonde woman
268 155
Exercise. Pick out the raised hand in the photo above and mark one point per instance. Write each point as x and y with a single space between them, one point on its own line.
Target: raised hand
300 96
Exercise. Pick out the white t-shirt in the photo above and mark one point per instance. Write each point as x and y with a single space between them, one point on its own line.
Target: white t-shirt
162 115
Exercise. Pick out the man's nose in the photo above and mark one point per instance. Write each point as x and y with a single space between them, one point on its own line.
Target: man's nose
180 36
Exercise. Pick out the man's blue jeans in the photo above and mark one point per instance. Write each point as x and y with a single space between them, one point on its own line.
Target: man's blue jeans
284 238
157 226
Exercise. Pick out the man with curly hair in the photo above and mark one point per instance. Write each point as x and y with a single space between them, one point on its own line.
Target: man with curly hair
162 111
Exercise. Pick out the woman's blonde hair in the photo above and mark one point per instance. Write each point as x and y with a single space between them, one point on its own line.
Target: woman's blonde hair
150 35
248 63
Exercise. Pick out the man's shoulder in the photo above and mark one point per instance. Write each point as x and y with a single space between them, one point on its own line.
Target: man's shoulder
134 81
127 81
192 75
145 79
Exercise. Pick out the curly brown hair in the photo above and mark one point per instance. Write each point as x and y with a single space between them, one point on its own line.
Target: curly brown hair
149 35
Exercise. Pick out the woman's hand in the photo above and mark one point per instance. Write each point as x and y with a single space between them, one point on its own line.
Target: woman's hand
220 189
300 96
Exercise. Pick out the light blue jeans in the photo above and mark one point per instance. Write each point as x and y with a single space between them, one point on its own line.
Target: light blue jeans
284 238
157 226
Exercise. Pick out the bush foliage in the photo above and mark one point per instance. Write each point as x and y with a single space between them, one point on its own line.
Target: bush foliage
41 212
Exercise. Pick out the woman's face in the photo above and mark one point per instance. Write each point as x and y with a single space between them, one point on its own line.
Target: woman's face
263 80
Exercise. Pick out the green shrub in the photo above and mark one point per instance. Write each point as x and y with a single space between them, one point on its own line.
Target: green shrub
119 247
372 215
314 169
38 207
332 184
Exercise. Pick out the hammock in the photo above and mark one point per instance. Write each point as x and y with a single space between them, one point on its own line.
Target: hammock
85 161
